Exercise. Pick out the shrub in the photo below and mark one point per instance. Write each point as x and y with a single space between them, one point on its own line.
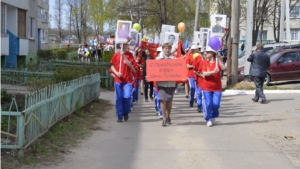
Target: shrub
44 54
4 95
107 55
61 54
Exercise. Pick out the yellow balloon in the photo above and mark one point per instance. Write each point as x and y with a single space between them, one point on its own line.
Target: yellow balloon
195 55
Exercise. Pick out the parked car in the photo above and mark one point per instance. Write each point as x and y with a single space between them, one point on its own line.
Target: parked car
285 65
242 59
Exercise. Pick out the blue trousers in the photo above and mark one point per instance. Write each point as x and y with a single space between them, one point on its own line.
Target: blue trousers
192 84
123 98
157 102
136 91
199 97
211 104
132 96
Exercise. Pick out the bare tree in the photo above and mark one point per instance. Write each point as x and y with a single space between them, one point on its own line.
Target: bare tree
58 17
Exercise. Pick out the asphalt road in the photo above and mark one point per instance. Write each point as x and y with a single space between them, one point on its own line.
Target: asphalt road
142 143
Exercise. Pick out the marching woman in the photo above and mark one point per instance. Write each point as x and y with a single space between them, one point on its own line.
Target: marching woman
166 88
212 85
123 66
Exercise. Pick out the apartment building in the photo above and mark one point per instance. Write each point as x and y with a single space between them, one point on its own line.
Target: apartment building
24 28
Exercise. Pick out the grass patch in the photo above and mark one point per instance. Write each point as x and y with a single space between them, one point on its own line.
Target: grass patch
60 139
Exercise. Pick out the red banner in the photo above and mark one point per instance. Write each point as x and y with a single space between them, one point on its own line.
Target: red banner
166 70
151 47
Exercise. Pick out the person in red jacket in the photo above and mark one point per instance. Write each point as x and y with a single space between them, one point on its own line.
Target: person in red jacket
191 75
212 85
198 77
138 77
123 66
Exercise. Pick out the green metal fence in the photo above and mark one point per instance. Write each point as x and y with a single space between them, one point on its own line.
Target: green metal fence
46 107
19 80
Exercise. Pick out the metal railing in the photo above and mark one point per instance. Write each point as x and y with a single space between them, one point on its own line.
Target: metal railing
46 107
24 80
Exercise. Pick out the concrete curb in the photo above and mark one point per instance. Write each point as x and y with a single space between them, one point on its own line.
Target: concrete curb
245 92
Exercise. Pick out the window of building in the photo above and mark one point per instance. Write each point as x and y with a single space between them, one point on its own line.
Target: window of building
294 11
264 35
21 23
47 1
44 36
294 34
3 19
32 28
42 14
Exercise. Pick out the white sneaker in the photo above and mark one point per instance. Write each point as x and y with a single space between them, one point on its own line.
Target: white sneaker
209 124
160 117
176 91
213 120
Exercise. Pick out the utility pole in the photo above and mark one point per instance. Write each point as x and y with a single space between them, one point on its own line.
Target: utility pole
288 27
249 32
70 25
281 30
197 16
235 39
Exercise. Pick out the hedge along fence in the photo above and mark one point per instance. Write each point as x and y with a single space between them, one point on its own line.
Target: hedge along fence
46 107
53 54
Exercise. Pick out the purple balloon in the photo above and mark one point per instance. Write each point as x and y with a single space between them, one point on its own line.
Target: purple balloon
214 43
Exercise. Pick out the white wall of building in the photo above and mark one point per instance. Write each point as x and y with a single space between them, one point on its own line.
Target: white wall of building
23 4
12 18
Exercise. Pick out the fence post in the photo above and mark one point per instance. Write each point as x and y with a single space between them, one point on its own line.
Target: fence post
20 134
106 79
25 78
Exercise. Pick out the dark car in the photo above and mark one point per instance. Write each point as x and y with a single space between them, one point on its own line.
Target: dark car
285 65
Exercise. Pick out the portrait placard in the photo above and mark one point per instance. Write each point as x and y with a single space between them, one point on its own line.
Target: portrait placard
123 30
218 23
133 38
172 38
164 29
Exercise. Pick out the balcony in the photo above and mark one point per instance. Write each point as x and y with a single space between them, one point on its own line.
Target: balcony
23 47
4 44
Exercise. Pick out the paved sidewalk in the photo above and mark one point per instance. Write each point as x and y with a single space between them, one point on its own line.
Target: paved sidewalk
142 143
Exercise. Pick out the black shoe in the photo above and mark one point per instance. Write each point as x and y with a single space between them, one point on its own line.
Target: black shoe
164 123
151 98
200 110
195 100
255 100
142 93
263 101
119 120
187 96
191 105
169 120
126 117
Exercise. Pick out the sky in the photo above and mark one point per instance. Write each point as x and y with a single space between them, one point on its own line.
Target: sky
52 11
64 17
